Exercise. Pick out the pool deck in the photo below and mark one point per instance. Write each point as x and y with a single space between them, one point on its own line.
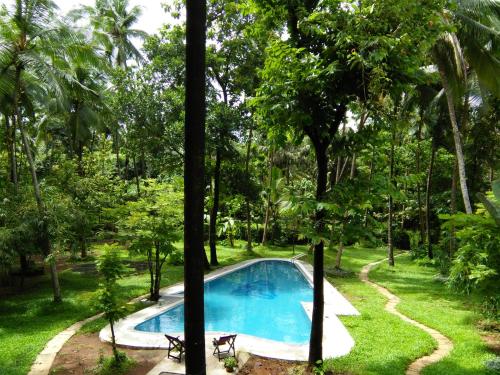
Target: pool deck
336 339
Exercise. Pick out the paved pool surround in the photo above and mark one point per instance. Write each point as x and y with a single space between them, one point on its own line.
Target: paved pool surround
336 339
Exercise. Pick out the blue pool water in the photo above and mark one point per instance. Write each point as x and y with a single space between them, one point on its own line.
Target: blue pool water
261 300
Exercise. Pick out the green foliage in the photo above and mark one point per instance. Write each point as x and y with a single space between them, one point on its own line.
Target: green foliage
154 220
230 362
111 269
114 365
477 261
151 225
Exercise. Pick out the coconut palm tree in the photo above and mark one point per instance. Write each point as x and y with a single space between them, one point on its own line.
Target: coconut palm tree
34 50
111 22
474 46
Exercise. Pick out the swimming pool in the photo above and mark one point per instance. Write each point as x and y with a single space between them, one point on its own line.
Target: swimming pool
262 300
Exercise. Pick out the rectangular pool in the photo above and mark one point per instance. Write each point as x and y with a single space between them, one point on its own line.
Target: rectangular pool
262 300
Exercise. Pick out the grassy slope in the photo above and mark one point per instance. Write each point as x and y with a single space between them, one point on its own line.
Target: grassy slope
29 320
429 301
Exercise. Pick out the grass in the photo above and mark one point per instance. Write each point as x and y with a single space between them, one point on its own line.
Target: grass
426 299
387 345
384 343
30 319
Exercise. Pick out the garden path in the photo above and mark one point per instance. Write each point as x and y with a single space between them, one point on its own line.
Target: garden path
444 344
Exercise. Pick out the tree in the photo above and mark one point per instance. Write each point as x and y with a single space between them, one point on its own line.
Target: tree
194 186
110 267
111 22
152 225
29 57
314 72
472 47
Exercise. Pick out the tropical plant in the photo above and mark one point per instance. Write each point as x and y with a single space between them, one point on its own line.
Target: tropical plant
477 260
151 225
111 22
110 267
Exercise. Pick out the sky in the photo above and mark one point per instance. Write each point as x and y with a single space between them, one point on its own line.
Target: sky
153 15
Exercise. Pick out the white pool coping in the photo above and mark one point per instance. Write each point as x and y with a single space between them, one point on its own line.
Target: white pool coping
336 339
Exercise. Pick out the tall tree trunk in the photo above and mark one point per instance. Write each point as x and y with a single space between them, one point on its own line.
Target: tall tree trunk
215 208
45 241
10 139
453 209
136 173
194 186
151 275
268 203
117 152
362 120
247 198
428 200
457 141
157 273
390 245
340 250
370 178
316 340
419 188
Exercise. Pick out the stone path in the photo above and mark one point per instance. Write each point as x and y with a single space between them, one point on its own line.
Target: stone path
444 344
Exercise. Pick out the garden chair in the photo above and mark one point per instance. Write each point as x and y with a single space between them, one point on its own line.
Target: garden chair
175 345
223 346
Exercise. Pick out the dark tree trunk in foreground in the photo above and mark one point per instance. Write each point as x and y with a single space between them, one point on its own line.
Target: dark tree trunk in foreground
428 201
316 340
212 235
194 143
390 245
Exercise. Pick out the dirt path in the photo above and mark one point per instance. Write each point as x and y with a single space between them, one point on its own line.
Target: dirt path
444 344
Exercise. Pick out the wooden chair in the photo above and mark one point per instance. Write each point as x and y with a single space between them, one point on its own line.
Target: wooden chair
222 342
175 345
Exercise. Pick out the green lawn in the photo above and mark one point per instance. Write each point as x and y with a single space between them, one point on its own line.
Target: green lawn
426 299
29 320
384 344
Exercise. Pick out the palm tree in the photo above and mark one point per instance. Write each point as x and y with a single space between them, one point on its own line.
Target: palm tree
111 22
34 50
195 107
25 56
474 46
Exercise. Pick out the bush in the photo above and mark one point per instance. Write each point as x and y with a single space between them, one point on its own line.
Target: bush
476 265
112 366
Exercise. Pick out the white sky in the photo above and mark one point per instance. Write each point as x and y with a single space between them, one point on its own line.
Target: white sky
153 15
